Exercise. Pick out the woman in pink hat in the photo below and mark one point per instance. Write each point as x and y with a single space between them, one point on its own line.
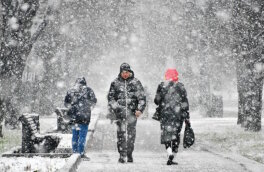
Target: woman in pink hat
173 107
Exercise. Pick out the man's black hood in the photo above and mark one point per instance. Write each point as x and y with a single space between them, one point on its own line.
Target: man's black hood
126 67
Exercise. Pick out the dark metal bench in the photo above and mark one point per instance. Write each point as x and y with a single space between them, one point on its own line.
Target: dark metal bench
32 140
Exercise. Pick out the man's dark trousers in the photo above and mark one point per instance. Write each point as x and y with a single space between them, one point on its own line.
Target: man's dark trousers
126 134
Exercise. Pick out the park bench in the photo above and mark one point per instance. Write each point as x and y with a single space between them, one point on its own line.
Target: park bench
32 140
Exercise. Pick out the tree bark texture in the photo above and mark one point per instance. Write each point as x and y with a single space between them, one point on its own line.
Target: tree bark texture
248 44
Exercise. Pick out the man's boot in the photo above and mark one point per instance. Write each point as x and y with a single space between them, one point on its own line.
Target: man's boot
171 157
121 159
85 158
170 160
129 157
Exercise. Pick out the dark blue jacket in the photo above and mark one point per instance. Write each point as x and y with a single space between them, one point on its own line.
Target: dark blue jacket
80 101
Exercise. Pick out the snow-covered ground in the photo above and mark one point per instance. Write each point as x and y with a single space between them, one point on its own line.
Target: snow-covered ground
44 164
12 138
221 145
39 164
226 136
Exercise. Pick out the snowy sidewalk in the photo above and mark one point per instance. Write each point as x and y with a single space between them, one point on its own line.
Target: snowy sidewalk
150 155
155 161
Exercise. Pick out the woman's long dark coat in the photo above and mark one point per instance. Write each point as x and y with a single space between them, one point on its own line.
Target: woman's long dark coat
173 106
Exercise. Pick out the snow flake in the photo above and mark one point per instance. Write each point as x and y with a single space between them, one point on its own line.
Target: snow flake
223 15
24 6
60 84
133 38
259 67
13 23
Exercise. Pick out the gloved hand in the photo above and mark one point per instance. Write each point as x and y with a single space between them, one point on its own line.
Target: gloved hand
187 121
70 122
185 115
156 116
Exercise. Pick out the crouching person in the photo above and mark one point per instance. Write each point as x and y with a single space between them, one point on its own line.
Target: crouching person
80 100
173 107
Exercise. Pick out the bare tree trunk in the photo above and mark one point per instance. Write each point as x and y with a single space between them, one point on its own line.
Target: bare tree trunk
1 23
253 103
204 88
1 39
248 40
50 44
250 88
216 108
241 87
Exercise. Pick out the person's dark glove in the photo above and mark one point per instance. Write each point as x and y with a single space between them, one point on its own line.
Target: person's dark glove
187 121
156 116
71 122
111 115
185 115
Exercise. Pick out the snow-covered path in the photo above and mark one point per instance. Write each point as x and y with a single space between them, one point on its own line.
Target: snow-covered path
151 161
150 155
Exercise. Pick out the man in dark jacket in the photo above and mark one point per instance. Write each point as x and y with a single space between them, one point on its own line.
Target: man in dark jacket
126 101
173 107
79 100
